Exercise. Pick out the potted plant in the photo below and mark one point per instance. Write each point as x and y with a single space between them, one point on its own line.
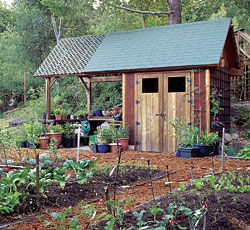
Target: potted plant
103 138
43 139
203 144
123 136
68 135
56 132
58 99
114 146
86 129
214 142
186 135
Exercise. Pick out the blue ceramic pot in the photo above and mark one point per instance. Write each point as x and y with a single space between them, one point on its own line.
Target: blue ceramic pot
98 112
103 148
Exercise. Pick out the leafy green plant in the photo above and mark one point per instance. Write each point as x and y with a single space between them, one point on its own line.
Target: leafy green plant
215 108
55 129
61 177
243 117
83 169
119 208
245 152
52 147
8 201
69 130
246 134
139 218
123 131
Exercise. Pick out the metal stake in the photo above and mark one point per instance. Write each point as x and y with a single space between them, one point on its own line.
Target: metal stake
151 179
222 149
169 180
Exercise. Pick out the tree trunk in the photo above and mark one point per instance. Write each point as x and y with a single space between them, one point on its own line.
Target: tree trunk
174 6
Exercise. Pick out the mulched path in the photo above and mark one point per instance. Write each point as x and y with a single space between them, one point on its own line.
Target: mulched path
142 193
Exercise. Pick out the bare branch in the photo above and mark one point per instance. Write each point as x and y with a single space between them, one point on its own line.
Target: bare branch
137 11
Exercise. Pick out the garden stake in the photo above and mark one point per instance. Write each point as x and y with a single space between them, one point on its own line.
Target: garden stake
107 189
151 179
169 180
119 153
191 169
222 150
37 176
78 143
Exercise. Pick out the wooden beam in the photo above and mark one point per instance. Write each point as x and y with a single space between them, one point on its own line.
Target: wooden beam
207 95
104 79
92 88
124 98
88 90
47 97
53 82
236 72
245 53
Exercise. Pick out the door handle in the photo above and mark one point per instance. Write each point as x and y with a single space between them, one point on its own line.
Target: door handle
163 115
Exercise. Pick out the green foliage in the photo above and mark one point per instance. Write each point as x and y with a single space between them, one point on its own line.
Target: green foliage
243 117
246 134
69 130
245 152
123 131
55 128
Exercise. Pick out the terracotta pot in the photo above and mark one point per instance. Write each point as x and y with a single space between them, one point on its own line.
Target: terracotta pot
59 102
58 117
113 147
124 143
57 136
43 142
64 117
106 98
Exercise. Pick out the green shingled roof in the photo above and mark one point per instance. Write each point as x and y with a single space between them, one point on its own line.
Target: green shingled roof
70 56
198 43
189 44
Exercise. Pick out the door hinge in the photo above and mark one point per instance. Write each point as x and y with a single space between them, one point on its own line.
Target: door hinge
137 102
137 82
137 123
137 143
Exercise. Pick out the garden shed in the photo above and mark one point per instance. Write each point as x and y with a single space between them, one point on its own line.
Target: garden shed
167 72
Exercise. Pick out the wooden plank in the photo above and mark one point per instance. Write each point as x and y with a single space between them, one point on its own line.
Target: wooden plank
47 97
53 82
124 100
136 137
236 72
207 99
103 79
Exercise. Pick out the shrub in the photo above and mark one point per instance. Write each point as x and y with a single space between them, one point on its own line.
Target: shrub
245 152
243 118
246 134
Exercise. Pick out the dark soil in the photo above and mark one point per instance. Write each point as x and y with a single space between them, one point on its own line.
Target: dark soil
73 193
226 210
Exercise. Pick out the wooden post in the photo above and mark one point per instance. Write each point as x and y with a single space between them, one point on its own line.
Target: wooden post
47 97
24 88
88 89
207 82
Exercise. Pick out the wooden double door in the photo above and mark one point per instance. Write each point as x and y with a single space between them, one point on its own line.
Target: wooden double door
160 98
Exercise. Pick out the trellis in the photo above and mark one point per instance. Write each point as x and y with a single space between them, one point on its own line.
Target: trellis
240 84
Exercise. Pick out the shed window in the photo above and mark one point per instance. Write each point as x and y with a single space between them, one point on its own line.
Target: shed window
176 84
150 85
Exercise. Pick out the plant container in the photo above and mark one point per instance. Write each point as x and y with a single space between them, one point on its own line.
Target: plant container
64 117
103 148
43 142
74 142
178 152
58 117
84 140
44 115
215 148
58 102
106 98
23 144
124 143
188 152
85 116
57 136
68 117
113 147
204 150
67 142
98 112
94 147
52 117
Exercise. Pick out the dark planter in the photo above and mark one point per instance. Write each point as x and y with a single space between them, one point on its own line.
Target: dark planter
74 142
178 152
98 112
188 152
68 142
52 117
204 150
84 140
95 147
103 148
29 144
44 115
23 144
68 117
215 148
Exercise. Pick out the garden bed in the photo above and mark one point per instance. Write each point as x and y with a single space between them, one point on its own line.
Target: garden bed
140 194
